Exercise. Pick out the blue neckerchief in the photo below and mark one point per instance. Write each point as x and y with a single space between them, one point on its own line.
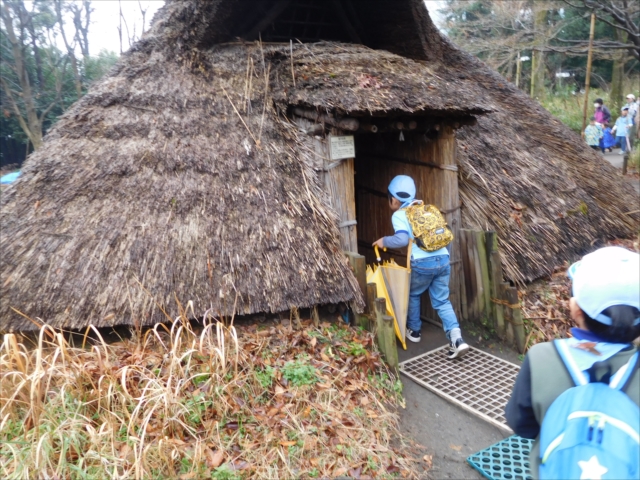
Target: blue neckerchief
586 357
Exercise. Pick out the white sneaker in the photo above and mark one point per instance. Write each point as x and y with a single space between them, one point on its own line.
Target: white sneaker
458 349
413 336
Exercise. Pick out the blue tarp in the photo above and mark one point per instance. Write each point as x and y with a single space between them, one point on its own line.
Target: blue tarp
9 178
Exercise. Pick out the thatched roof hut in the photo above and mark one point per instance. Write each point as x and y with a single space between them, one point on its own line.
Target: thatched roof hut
197 169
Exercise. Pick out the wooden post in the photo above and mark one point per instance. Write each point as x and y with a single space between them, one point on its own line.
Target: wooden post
315 316
359 268
495 270
391 353
587 82
485 290
372 294
625 162
385 334
363 322
440 187
508 314
516 318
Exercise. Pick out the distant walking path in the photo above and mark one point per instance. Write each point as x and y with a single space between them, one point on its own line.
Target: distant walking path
616 160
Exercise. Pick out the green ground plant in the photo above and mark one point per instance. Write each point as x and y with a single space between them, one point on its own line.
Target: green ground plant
178 403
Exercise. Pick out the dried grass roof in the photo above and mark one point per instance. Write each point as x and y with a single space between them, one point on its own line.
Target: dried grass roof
532 179
175 177
356 79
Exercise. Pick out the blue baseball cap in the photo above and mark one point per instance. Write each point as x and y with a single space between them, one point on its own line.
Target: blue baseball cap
607 277
403 188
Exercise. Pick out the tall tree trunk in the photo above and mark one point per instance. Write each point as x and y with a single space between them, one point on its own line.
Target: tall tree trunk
70 50
537 57
32 125
616 98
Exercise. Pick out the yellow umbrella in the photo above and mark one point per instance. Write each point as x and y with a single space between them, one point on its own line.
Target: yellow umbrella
393 283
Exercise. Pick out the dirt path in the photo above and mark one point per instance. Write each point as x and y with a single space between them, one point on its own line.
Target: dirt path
449 433
615 159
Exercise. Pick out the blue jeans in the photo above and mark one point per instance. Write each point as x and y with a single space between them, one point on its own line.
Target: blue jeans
623 143
431 273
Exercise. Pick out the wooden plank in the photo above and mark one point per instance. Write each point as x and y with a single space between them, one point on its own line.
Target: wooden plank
391 353
467 275
385 334
495 270
359 268
372 293
516 318
485 297
508 314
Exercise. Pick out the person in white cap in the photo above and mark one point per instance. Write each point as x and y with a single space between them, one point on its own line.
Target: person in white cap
621 130
430 270
579 397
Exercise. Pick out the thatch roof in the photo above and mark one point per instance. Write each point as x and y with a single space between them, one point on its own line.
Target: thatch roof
177 177
361 81
532 179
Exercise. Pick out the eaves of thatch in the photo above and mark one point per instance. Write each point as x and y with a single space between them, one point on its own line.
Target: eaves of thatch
357 80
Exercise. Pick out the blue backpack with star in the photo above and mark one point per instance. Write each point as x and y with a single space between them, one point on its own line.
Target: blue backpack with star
591 430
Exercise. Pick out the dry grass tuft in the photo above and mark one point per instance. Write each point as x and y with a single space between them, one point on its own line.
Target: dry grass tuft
218 402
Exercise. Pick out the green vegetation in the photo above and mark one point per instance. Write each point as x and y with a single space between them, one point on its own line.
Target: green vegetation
299 372
211 404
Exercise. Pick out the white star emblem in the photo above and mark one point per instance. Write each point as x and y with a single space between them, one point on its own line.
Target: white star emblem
592 470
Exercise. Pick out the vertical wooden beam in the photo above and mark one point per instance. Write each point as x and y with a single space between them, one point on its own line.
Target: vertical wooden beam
385 333
359 268
485 297
340 188
372 294
508 314
495 270
516 318
440 187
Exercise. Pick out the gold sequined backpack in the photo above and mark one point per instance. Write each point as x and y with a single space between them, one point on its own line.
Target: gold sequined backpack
430 230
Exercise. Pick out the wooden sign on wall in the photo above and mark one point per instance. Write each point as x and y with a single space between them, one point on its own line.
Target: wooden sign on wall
342 147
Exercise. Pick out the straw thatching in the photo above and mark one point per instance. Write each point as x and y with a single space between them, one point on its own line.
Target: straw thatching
527 176
178 177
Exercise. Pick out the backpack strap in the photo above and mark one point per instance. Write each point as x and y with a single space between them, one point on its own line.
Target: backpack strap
622 377
579 378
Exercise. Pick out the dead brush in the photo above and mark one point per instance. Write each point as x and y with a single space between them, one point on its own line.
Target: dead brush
212 403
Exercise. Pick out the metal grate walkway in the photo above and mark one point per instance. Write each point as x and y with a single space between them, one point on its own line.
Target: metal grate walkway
505 460
479 382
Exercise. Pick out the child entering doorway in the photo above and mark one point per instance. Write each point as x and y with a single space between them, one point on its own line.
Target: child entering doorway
430 270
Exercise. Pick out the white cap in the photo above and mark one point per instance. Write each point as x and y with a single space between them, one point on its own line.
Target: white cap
631 96
607 277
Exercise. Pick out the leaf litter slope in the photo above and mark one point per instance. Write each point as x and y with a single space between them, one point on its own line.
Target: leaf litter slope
223 402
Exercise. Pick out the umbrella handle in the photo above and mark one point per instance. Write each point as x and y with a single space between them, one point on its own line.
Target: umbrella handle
378 257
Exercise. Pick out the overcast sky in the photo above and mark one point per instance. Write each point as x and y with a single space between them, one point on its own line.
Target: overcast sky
105 20
103 33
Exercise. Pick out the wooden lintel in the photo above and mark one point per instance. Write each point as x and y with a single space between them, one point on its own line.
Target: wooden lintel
347 123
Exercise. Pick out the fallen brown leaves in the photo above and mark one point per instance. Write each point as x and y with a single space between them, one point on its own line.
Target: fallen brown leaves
221 402
545 303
